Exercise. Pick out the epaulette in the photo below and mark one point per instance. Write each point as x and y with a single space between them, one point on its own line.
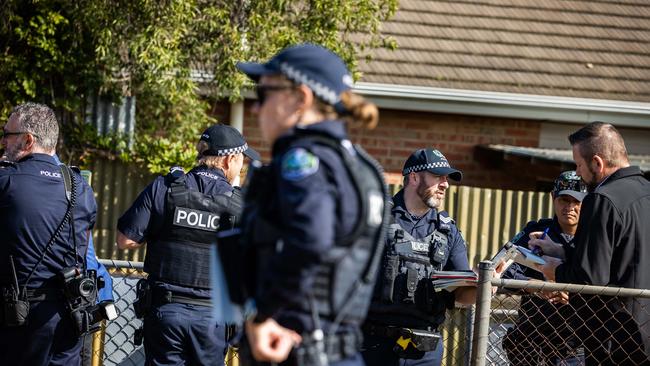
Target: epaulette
6 163
176 173
237 192
176 170
444 217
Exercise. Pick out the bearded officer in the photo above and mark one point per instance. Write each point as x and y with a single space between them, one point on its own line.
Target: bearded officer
178 216
403 323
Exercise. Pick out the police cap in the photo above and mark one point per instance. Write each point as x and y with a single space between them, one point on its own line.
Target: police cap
312 65
433 161
224 140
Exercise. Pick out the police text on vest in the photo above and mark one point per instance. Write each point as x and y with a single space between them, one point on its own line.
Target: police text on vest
196 219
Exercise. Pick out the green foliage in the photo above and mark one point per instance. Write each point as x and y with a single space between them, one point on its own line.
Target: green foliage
58 51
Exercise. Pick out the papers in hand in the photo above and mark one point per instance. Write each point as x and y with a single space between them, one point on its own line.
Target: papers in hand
511 253
450 280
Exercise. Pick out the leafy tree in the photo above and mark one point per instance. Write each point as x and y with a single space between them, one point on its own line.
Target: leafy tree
60 51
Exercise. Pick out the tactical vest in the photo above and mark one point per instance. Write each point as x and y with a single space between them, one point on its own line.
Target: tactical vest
344 282
405 296
180 254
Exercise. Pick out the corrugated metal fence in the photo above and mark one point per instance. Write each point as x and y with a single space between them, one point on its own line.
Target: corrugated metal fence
116 186
486 217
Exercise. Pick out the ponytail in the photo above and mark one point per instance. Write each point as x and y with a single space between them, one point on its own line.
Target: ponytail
361 111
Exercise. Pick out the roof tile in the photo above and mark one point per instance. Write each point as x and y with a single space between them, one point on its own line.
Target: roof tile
576 48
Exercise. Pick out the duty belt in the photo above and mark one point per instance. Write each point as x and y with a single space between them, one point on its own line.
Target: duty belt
339 346
45 294
166 297
423 340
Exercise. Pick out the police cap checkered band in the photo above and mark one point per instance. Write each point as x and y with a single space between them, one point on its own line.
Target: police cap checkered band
433 161
232 151
421 167
312 65
224 140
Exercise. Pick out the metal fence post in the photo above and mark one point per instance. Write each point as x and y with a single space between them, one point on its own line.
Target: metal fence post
482 314
469 327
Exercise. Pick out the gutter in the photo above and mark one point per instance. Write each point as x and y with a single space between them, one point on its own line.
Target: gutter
506 105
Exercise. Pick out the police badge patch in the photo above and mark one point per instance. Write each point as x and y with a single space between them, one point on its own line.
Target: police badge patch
298 163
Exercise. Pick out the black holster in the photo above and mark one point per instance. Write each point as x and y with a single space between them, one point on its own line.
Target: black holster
143 302
387 279
409 343
85 321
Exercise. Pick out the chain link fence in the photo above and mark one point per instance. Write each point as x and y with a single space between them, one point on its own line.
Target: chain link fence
543 323
114 345
117 346
525 323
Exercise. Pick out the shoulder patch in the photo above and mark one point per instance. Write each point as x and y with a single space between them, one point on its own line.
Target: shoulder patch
5 163
298 163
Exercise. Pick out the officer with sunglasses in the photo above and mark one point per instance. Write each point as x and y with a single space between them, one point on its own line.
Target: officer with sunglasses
314 217
43 229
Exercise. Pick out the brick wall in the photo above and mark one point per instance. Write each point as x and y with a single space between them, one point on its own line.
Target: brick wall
399 133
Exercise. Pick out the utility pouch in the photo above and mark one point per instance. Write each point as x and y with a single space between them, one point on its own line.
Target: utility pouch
406 286
138 336
14 311
83 322
389 274
311 351
429 300
142 304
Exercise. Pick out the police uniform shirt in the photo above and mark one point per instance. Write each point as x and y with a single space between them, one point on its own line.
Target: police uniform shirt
32 205
315 205
421 227
144 220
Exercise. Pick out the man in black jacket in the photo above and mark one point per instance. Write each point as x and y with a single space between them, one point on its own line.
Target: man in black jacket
612 248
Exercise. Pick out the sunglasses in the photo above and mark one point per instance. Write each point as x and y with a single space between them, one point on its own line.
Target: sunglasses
264 90
570 184
7 134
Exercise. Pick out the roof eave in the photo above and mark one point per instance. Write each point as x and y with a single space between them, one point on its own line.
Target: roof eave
506 105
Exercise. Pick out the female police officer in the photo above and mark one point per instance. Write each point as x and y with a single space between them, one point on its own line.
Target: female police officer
315 215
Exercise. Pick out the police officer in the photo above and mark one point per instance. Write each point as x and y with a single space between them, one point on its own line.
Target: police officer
104 293
46 214
314 216
403 321
178 215
543 333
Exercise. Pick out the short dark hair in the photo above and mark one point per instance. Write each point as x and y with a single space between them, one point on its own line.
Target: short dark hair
602 139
